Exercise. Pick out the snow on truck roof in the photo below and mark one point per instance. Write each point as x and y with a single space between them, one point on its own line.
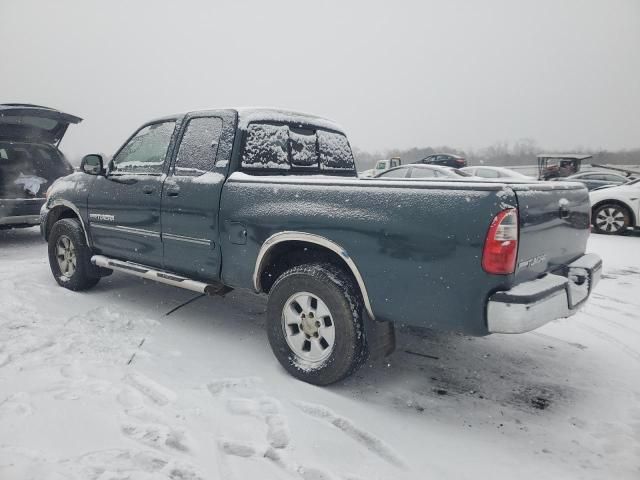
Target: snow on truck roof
247 115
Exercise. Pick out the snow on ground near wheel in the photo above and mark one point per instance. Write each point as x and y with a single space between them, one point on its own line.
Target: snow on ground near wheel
103 384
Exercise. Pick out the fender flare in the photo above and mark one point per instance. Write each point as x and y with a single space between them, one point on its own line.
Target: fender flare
288 236
65 203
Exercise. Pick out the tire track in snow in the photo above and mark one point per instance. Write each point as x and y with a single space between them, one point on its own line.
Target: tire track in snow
366 439
608 338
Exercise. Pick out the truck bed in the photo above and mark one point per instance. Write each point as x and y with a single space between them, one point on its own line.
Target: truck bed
417 243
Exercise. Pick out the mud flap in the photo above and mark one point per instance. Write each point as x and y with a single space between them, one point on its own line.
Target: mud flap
381 338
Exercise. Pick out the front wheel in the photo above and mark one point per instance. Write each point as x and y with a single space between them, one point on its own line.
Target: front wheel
70 257
315 323
611 219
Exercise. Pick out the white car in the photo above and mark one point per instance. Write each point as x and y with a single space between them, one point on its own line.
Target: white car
615 209
495 172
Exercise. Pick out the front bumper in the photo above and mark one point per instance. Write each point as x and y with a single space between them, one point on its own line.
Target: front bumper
20 211
530 305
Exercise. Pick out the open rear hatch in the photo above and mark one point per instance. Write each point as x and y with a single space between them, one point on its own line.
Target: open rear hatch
554 226
33 123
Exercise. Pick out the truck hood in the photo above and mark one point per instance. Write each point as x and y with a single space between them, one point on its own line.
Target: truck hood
33 123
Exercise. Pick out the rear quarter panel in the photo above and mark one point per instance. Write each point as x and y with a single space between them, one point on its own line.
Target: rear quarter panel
417 245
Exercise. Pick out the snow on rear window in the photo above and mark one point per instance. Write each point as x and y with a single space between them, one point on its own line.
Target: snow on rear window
303 148
266 147
335 153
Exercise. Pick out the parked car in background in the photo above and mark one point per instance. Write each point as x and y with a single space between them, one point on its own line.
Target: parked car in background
444 159
381 166
414 170
30 160
595 179
270 201
614 210
496 172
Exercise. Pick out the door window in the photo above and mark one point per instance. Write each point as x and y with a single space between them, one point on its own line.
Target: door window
146 151
613 178
487 173
422 173
397 173
199 146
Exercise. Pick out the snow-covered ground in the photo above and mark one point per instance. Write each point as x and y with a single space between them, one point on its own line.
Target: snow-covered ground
109 384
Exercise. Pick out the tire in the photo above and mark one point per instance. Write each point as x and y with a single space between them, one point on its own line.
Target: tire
323 340
70 257
611 219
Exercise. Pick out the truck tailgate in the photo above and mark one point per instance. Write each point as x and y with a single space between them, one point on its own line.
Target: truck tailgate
554 226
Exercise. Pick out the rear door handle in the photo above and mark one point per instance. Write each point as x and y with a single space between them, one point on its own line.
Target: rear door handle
148 189
173 192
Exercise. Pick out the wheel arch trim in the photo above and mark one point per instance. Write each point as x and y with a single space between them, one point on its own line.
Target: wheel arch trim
59 204
288 236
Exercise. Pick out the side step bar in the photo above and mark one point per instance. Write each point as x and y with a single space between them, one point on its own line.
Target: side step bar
160 276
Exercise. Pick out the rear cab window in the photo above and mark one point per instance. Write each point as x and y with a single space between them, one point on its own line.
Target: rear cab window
273 148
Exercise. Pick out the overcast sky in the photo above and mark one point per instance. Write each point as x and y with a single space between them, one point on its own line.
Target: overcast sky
393 73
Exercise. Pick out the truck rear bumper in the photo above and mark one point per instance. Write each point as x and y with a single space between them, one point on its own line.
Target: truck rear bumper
530 305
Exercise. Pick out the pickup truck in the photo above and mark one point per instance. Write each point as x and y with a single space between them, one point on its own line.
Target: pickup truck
270 201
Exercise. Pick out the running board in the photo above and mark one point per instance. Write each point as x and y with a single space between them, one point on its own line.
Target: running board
160 276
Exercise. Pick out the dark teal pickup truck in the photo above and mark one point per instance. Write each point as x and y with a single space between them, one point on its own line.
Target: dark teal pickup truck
270 201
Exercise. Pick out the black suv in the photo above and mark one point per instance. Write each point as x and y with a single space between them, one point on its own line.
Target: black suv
29 160
444 159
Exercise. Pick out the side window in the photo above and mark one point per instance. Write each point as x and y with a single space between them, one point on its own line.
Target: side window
422 173
398 173
612 178
335 153
146 151
266 147
199 146
487 173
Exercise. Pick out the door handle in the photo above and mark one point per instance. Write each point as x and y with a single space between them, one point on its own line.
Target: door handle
148 189
173 192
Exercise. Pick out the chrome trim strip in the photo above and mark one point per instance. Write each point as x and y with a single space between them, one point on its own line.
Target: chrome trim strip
66 203
318 240
120 228
184 238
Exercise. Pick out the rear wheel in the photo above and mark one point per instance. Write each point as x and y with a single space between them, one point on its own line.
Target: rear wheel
611 219
315 323
70 257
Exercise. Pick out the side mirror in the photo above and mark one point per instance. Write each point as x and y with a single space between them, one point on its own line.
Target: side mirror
92 164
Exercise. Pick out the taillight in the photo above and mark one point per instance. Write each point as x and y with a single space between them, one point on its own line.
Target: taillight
501 245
